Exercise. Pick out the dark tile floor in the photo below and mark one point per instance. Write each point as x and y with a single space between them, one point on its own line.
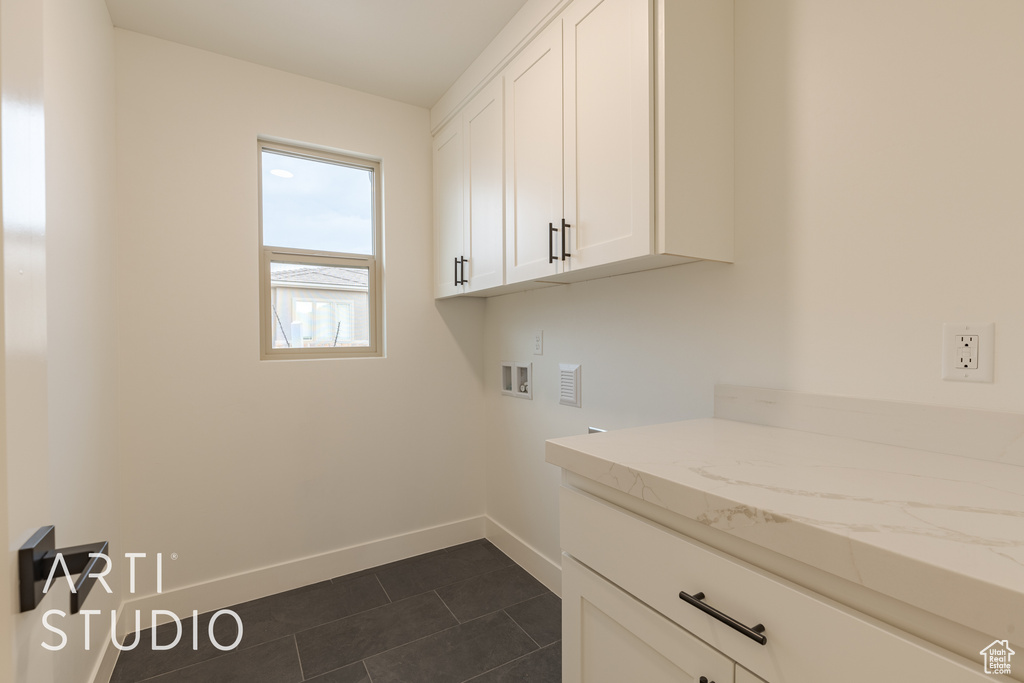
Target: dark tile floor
466 613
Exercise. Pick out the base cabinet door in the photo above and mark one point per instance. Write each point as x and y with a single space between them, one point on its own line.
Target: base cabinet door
610 637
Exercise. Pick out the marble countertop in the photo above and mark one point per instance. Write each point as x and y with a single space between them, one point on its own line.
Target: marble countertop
944 533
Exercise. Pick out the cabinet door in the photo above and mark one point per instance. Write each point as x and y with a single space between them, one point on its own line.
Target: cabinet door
608 142
484 133
449 186
610 637
533 156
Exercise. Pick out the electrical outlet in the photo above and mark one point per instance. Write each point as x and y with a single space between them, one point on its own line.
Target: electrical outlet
538 343
967 352
967 356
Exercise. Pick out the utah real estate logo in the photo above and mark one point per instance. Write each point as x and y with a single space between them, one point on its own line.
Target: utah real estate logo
997 657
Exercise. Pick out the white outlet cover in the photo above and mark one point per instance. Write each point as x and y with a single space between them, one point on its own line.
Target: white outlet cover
951 370
538 343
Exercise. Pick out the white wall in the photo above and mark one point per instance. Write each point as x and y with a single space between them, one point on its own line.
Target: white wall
78 65
27 496
59 359
880 161
236 464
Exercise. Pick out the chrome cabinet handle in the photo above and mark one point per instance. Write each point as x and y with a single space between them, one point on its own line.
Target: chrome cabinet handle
755 633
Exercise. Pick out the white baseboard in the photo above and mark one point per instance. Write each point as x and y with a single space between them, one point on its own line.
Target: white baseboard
104 668
526 556
258 583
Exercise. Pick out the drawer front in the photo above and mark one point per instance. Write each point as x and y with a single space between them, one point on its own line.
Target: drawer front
615 638
809 638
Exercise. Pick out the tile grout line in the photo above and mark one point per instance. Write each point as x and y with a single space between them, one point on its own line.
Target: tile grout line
381 584
298 656
502 609
535 597
457 620
356 614
531 652
390 602
480 575
206 661
377 654
518 626
429 635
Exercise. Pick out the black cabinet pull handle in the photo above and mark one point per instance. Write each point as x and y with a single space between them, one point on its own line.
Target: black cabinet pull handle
464 261
565 225
755 633
457 283
551 242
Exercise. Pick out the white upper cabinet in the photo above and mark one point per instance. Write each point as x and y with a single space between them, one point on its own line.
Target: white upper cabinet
449 209
469 197
607 151
617 152
533 157
484 138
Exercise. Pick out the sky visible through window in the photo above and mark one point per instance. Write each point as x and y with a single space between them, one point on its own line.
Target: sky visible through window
316 205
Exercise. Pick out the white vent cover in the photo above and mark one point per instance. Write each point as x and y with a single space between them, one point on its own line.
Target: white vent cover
569 385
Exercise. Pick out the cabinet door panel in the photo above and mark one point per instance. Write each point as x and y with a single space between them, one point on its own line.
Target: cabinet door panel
533 152
608 163
484 133
449 185
610 637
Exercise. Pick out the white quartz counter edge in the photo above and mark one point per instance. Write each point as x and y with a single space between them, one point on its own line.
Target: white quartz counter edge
943 533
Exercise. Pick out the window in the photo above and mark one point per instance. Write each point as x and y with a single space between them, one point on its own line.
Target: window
320 266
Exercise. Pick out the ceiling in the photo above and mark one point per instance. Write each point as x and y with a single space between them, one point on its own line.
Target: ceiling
406 50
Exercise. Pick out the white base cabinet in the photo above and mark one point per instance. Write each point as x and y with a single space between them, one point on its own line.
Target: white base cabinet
621 639
621 585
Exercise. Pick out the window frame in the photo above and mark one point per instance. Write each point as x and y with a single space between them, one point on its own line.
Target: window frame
372 262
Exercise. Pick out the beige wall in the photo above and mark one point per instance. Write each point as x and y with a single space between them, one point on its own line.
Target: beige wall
81 315
236 464
59 362
27 499
81 304
880 161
